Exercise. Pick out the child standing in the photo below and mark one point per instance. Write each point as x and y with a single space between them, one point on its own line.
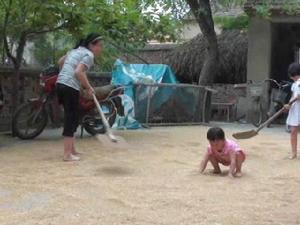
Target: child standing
226 152
293 119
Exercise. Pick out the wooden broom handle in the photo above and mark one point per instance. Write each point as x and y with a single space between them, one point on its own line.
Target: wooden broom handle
275 115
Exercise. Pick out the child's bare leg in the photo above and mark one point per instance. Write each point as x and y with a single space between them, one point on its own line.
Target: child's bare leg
294 137
239 162
215 164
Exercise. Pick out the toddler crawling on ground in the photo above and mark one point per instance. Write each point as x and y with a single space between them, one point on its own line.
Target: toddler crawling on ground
226 152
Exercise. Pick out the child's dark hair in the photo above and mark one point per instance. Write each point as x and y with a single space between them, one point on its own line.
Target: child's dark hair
215 133
294 70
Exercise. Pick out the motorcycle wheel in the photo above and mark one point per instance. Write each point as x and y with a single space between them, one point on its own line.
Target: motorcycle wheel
92 122
23 125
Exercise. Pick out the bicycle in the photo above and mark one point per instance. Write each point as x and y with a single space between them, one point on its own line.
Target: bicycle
280 94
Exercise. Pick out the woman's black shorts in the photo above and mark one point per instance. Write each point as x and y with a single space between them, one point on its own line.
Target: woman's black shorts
69 98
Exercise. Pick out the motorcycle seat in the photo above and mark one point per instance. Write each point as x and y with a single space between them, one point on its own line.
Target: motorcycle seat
101 92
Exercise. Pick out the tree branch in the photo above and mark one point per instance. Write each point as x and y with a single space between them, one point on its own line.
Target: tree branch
202 12
20 49
5 6
35 32
5 41
8 52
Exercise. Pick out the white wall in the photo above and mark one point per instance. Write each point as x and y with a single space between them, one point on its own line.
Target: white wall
191 29
28 54
259 49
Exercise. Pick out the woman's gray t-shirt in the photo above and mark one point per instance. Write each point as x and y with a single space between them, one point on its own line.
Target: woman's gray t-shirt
76 56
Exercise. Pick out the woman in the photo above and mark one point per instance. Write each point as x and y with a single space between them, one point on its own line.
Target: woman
70 79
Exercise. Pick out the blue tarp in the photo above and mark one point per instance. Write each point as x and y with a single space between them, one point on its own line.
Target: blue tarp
130 74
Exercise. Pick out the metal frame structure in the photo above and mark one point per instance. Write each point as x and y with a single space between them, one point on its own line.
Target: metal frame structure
203 101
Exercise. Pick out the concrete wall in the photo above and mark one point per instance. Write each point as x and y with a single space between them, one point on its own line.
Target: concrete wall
229 93
152 53
259 49
191 29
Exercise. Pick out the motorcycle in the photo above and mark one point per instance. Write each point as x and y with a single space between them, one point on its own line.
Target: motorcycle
32 117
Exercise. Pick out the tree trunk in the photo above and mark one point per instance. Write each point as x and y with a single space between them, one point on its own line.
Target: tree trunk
3 53
203 14
15 89
21 78
17 79
17 86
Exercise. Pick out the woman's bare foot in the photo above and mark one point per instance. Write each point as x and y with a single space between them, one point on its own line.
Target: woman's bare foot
238 174
217 171
74 152
71 158
293 157
230 175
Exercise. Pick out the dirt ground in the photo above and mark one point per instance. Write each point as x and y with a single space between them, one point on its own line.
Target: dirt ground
153 182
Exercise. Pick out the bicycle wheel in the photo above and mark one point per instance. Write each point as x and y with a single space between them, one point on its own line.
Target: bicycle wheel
256 114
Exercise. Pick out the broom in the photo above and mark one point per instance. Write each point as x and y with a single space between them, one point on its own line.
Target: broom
252 133
106 125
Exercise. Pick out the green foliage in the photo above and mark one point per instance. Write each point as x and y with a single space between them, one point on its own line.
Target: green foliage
33 17
292 8
127 26
126 23
48 48
227 4
230 3
232 23
22 20
264 10
106 61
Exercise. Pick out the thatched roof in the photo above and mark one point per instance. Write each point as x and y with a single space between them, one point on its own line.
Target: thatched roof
188 58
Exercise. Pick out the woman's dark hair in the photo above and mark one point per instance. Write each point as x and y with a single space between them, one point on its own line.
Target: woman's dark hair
294 69
92 38
215 133
80 43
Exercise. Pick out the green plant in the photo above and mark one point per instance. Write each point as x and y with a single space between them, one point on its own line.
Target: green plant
292 8
240 22
263 10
